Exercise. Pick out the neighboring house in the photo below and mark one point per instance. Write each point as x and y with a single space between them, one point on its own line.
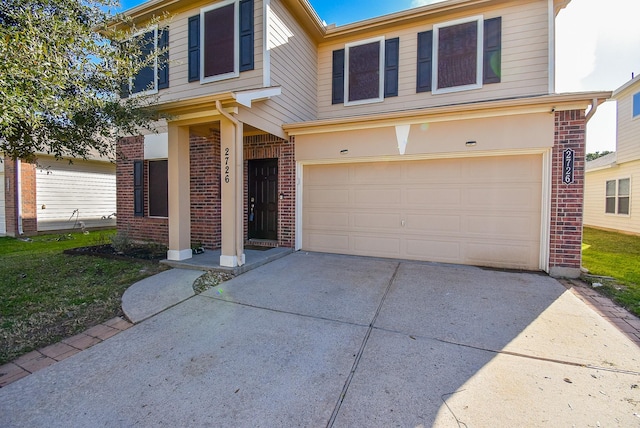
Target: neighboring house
3 221
428 134
51 195
611 186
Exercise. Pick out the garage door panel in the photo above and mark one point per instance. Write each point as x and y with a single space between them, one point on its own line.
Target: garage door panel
372 196
329 242
428 196
438 223
377 173
376 221
377 246
470 211
522 198
443 171
509 255
328 219
329 174
433 250
323 197
505 226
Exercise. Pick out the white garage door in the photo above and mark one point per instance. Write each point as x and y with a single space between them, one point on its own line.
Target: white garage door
477 211
82 191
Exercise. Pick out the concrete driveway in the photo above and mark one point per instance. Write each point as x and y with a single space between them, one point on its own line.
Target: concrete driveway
316 340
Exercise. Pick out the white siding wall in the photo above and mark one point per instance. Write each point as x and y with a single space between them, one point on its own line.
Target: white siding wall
61 188
525 63
628 140
594 199
3 222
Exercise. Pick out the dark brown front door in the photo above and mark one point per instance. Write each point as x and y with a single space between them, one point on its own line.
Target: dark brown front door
263 199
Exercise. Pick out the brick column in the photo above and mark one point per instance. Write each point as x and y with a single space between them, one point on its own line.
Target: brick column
567 200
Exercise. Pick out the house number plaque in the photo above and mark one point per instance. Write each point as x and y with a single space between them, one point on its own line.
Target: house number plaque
568 163
226 165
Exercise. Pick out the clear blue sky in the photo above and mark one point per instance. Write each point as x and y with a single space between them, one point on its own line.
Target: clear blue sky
342 12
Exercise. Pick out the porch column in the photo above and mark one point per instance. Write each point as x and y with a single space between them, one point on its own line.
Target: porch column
231 158
178 171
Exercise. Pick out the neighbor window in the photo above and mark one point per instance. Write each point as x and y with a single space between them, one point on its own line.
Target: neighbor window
155 74
220 41
365 71
636 105
618 194
459 55
158 189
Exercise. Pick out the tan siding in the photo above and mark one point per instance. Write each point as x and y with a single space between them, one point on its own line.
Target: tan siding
61 188
628 142
524 64
293 67
180 87
594 198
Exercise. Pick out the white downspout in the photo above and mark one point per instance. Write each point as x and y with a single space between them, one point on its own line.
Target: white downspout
593 110
19 195
239 182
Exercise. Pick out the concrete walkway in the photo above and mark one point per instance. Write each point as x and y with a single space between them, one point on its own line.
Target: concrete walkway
323 340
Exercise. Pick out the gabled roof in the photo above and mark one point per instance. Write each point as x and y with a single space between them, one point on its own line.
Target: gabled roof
631 85
606 161
309 19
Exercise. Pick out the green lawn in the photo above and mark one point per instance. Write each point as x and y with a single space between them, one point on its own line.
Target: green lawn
618 256
46 295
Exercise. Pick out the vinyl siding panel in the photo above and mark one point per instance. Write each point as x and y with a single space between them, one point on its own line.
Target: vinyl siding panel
293 66
594 198
525 63
62 188
628 143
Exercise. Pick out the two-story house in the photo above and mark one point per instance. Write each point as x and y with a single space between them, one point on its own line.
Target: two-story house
609 185
429 134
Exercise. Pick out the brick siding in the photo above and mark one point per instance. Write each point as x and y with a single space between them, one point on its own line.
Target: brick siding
567 199
29 209
206 223
130 149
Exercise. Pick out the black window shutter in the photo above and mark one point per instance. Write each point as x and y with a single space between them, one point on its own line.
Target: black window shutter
138 188
163 59
425 55
246 35
337 82
492 50
194 48
391 59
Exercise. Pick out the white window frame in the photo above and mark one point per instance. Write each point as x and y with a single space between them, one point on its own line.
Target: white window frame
154 90
380 98
479 19
617 197
236 42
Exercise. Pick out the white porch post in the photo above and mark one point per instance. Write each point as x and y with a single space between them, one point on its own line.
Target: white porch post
179 173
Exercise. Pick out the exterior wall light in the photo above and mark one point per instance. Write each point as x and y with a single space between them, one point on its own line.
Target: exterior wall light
470 143
344 151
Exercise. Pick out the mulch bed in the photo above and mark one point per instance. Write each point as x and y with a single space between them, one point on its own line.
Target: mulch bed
135 252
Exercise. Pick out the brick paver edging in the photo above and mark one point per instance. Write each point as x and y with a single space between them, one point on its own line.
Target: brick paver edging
625 321
44 357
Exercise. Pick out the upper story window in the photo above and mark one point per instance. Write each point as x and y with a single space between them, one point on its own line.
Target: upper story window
220 41
618 194
365 71
636 105
459 55
155 73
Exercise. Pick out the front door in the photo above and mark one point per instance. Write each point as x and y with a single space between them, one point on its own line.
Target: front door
263 199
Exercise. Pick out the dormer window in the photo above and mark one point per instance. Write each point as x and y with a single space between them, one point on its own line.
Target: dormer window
636 105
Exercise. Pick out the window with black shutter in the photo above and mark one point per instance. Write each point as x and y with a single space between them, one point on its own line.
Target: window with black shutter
221 41
365 71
